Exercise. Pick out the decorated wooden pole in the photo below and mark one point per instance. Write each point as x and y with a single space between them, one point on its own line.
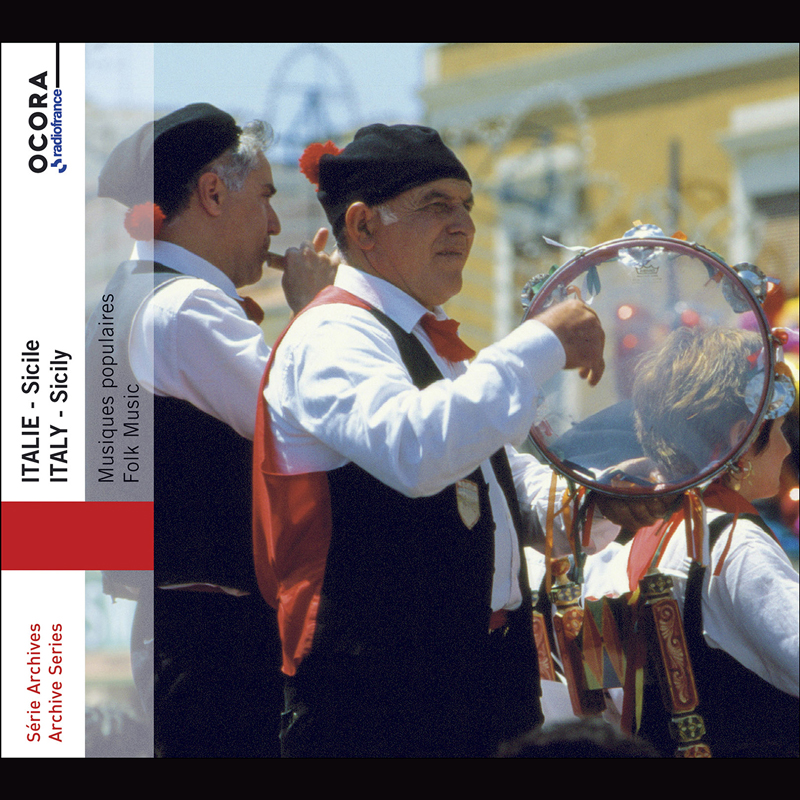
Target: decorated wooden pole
676 678
547 667
567 623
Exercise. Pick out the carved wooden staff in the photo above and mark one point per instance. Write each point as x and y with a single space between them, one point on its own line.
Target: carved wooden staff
567 624
547 667
676 678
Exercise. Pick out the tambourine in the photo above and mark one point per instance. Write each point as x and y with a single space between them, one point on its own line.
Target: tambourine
644 287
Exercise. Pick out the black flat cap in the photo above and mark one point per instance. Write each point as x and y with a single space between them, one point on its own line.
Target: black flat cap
382 162
158 161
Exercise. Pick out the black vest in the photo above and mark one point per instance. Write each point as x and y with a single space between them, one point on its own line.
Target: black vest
405 607
201 470
744 715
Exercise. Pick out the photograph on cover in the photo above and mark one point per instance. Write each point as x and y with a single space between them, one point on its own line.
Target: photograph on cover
531 175
171 503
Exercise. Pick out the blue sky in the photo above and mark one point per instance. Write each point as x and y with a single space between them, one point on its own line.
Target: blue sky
360 82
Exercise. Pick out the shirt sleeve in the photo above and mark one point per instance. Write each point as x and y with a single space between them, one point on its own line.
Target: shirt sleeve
203 349
353 397
751 608
534 484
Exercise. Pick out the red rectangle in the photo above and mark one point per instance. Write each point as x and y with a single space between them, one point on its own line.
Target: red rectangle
77 535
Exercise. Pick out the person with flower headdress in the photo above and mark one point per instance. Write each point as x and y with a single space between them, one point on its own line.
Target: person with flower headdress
741 609
199 190
388 512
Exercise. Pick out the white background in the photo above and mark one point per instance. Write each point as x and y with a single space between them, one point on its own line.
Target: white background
42 299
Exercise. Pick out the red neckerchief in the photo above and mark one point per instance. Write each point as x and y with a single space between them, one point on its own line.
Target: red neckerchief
647 540
253 310
722 497
445 339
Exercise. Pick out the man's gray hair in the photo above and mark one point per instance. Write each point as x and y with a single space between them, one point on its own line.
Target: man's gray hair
235 164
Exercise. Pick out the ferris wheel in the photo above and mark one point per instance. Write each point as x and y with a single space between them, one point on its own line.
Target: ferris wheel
310 98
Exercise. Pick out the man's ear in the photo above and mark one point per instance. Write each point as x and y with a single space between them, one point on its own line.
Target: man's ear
359 222
211 192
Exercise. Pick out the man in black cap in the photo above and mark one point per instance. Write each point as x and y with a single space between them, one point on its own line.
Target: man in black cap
189 348
388 512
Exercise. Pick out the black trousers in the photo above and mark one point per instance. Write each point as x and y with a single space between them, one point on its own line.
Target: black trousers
218 689
368 706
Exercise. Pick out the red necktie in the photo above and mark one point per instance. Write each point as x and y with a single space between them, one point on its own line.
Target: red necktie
252 309
444 337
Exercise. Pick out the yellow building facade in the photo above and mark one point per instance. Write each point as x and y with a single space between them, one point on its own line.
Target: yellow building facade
575 141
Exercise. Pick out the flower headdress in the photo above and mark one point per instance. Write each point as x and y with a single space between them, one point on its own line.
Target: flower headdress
309 161
143 221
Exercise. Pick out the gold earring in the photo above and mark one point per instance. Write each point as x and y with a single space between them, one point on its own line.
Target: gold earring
738 474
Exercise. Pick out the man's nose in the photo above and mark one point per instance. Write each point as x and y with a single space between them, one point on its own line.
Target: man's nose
274 223
462 223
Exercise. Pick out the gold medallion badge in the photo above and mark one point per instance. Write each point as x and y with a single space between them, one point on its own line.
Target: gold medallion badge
469 502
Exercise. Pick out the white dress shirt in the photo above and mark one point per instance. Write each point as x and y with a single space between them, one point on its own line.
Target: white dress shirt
192 340
750 610
339 392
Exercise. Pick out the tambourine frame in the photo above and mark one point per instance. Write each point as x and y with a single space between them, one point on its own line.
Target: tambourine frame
605 252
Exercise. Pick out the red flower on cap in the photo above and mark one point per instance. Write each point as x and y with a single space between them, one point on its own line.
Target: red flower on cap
143 222
309 161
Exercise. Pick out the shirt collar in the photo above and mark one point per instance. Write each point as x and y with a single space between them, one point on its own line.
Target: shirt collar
184 261
386 297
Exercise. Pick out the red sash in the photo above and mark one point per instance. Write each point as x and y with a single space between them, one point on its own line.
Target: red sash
291 524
